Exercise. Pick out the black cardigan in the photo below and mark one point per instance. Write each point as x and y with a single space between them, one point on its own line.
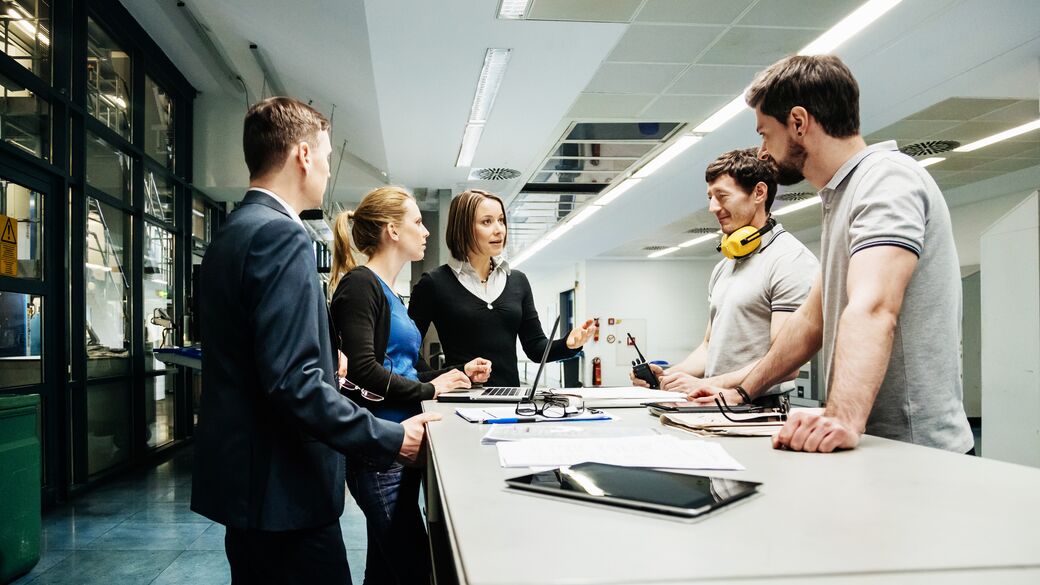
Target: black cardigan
361 313
468 329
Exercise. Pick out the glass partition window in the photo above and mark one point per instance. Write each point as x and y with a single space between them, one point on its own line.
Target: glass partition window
108 80
159 408
159 291
24 119
27 35
200 220
21 339
108 169
25 207
108 425
159 195
158 123
108 278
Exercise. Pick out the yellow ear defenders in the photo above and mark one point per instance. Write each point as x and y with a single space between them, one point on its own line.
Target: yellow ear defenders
744 241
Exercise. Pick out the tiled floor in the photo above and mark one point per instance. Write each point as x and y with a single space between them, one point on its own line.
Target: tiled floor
140 530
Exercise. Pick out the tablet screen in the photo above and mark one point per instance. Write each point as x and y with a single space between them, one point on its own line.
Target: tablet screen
648 489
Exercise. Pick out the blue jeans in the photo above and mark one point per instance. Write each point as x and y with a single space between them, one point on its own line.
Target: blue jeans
398 546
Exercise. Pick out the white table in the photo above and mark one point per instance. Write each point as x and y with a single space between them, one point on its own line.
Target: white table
887 512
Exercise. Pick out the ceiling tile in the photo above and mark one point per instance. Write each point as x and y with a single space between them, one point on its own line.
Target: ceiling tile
971 131
1018 113
584 10
663 43
693 108
714 80
1007 165
908 131
691 11
608 105
959 163
633 78
757 46
1009 148
960 109
820 14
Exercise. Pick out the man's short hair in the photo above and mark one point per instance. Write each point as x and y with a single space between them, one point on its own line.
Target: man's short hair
746 169
821 84
272 127
460 232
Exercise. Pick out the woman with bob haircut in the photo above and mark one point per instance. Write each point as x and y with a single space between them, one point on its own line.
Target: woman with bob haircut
385 373
478 304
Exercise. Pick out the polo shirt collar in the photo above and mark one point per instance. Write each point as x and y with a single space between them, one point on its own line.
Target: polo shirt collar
850 165
464 267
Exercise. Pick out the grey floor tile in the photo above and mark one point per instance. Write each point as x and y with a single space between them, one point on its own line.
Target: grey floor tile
149 536
73 534
211 539
108 567
167 512
47 560
195 567
356 560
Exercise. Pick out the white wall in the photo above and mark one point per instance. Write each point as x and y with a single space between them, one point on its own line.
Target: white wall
969 221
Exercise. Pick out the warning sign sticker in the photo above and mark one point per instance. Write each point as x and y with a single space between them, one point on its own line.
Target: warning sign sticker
8 246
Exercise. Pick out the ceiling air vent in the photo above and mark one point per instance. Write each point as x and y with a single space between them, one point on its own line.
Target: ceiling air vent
929 147
494 174
654 248
796 196
702 230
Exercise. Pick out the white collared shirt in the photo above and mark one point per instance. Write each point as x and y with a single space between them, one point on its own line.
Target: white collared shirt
485 291
292 212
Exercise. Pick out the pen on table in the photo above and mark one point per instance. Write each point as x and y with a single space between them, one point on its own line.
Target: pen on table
515 419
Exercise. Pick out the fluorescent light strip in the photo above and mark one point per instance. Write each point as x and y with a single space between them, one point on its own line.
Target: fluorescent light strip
825 43
512 9
664 252
470 140
927 162
617 191
559 231
531 251
848 27
796 206
491 74
21 19
585 213
696 241
677 148
1017 130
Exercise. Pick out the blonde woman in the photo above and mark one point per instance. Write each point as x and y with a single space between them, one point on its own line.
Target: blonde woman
385 373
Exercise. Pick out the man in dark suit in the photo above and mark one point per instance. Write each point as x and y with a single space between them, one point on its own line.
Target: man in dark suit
272 425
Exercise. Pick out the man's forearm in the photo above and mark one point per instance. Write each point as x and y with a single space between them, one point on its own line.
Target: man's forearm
692 365
798 342
861 355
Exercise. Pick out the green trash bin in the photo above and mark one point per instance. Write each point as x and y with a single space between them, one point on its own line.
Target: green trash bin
19 486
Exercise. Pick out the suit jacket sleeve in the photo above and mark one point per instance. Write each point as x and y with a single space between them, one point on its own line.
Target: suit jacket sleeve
282 288
356 305
532 338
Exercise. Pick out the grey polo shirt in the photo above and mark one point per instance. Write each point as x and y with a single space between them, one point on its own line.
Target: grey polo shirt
744 293
881 197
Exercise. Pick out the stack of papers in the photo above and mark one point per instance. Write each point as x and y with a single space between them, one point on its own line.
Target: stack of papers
707 424
507 414
549 431
661 452
622 396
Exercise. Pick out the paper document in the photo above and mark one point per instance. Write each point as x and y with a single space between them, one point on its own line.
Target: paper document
507 414
550 431
708 424
621 396
663 451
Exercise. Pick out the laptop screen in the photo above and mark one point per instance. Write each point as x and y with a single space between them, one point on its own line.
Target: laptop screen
545 355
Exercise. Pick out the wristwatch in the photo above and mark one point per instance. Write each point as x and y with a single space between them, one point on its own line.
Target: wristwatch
743 394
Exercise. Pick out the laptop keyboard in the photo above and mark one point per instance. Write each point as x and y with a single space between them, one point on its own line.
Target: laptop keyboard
500 391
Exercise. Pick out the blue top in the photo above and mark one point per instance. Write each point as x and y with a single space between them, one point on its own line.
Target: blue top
402 350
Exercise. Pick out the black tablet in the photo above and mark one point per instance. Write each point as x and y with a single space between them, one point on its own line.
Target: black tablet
676 494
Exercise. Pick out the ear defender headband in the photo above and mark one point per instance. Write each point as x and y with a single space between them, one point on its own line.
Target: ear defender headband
744 241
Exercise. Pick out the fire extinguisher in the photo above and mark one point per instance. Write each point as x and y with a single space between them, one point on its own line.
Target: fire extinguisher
597 372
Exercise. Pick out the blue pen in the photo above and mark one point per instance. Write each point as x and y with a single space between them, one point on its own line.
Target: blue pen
502 421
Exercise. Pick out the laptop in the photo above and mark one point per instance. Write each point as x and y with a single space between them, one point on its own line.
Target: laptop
506 394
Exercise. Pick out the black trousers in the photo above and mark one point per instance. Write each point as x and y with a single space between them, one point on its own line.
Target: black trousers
313 556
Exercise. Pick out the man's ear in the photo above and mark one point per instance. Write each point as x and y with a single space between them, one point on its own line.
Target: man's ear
304 155
798 120
761 192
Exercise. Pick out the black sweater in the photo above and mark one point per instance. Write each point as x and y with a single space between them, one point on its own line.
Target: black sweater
361 313
468 329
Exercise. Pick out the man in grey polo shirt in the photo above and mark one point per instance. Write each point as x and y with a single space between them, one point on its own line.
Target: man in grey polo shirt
750 296
887 307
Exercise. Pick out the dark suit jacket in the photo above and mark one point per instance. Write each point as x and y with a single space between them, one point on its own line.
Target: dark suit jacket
272 424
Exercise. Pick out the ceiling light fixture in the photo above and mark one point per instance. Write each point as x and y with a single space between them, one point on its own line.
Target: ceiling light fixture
617 191
724 115
796 206
512 9
491 75
273 81
585 213
1017 130
21 19
927 162
848 27
696 241
666 156
215 52
664 252
531 251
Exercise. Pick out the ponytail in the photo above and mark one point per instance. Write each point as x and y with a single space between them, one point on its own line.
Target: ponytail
364 226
